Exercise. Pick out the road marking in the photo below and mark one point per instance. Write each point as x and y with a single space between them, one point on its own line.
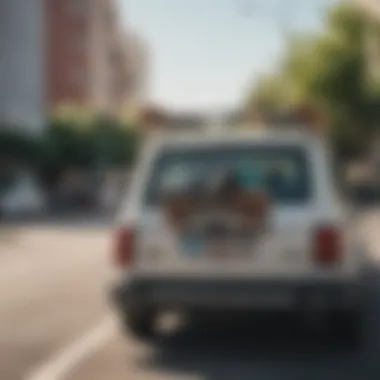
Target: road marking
65 361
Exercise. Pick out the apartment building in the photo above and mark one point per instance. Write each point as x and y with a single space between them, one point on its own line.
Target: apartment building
56 52
137 50
87 56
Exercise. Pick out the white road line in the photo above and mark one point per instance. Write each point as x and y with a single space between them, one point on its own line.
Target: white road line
61 364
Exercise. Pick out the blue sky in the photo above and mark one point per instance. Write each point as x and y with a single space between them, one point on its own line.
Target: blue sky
204 53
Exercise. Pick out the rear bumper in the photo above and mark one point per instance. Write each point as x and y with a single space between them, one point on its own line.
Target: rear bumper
256 294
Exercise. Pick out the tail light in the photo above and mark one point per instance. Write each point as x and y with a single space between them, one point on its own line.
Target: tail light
328 245
124 247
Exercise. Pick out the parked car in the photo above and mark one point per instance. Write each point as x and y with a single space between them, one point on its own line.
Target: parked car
23 197
248 221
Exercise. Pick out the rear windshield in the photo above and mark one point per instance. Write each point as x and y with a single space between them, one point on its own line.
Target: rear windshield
282 172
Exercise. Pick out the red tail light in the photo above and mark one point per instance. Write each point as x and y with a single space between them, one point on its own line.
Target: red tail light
124 247
328 245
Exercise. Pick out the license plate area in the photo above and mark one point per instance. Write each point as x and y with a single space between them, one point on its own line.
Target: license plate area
226 249
218 248
220 237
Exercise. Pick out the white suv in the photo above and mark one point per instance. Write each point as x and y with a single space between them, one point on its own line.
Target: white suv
297 252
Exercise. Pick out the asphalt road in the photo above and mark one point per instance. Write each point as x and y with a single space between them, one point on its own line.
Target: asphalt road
55 324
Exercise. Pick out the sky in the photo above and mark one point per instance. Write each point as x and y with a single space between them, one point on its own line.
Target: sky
205 54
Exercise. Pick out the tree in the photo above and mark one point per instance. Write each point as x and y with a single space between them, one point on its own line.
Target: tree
64 147
114 143
89 142
17 147
17 150
74 138
327 71
270 93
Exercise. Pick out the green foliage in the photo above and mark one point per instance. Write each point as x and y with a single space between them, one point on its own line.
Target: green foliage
271 93
104 142
114 142
90 143
328 71
16 150
17 147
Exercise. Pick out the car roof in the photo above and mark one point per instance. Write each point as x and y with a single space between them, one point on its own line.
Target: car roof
184 139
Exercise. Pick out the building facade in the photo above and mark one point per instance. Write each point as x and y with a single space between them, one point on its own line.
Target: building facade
22 77
56 52
78 53
138 79
67 58
88 57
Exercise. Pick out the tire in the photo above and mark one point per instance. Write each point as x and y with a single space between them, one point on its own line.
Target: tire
140 325
348 328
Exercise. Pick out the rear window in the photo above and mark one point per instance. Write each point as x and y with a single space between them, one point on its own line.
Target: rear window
281 171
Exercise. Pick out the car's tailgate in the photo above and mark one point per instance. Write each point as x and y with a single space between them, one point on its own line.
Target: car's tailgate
284 248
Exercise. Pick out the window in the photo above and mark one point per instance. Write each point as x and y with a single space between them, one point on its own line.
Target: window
282 172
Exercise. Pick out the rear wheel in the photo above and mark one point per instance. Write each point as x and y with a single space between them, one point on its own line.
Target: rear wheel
140 324
348 327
